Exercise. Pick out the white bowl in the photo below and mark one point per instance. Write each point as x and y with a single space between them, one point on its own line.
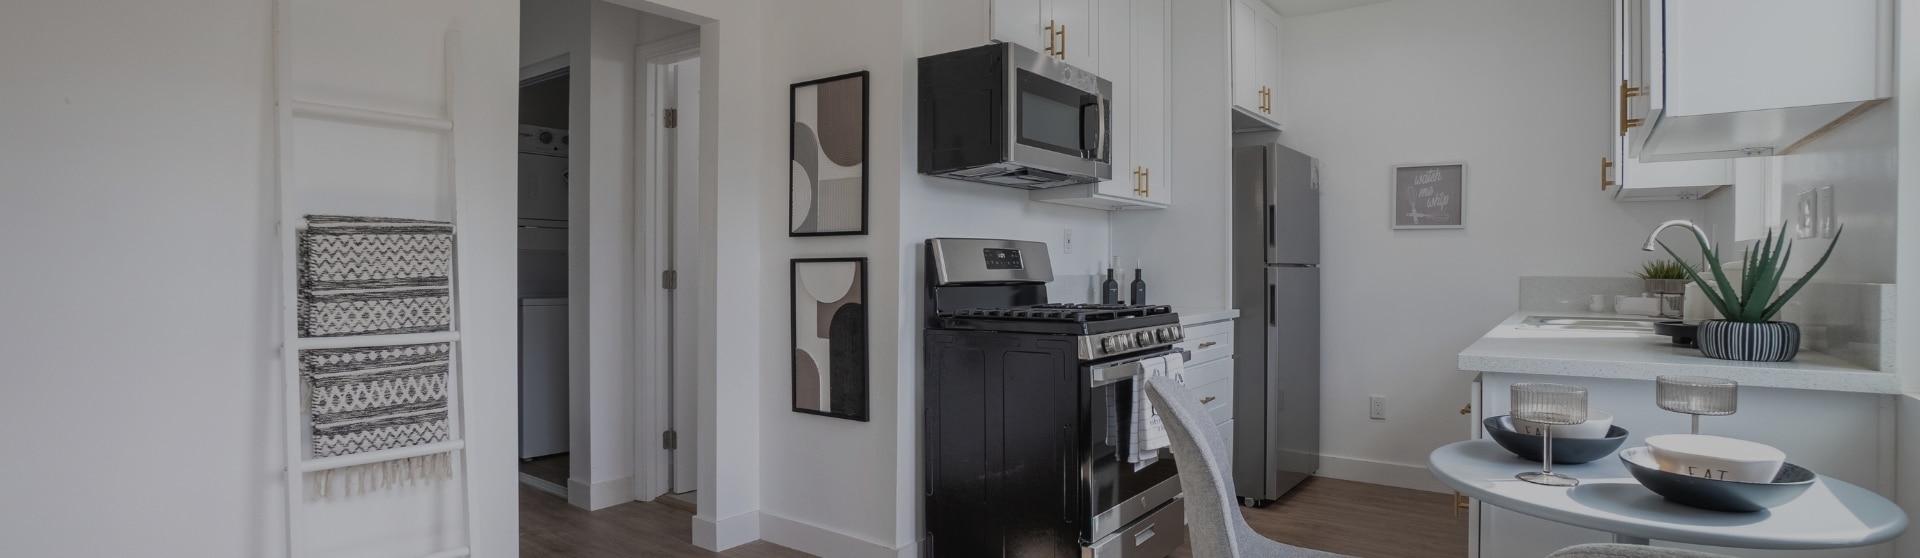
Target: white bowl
1716 457
1593 429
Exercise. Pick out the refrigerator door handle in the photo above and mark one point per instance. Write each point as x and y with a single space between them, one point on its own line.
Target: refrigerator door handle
1269 229
1270 312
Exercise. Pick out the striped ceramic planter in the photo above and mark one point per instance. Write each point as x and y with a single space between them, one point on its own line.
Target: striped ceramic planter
1756 342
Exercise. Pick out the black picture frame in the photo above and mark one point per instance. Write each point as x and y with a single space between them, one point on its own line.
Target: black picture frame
844 381
794 156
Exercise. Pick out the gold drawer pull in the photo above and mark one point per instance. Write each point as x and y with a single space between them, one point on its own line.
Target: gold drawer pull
1467 410
1209 344
1206 400
1605 164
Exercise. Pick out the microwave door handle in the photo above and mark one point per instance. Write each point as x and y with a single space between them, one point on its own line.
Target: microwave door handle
1094 147
1100 140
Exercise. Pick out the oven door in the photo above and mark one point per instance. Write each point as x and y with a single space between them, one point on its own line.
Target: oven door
1118 491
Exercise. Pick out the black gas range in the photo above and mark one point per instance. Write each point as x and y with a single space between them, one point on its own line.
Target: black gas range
1028 412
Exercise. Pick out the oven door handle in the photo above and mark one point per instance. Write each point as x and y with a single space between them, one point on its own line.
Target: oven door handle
1103 374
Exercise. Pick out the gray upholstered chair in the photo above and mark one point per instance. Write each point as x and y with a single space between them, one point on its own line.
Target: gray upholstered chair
1215 528
1627 551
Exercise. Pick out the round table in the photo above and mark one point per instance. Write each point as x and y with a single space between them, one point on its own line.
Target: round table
1831 514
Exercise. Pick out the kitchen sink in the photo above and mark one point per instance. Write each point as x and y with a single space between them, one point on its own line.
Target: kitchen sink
1637 325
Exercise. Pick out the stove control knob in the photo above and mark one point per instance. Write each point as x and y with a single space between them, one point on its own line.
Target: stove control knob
1110 344
1178 333
1145 338
1164 334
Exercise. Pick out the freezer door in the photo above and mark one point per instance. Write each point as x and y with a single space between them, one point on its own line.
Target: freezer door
1293 207
1293 383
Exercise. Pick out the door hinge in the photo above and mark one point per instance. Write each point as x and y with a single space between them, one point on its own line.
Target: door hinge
670 440
672 118
670 279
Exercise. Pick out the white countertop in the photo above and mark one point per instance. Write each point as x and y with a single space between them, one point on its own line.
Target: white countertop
1640 356
1190 316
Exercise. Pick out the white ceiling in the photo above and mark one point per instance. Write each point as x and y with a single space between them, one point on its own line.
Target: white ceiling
1292 8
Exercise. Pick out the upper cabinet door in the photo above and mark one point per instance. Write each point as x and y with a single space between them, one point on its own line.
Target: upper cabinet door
1076 33
1116 49
1248 78
1151 99
1270 65
1022 22
1627 178
1737 78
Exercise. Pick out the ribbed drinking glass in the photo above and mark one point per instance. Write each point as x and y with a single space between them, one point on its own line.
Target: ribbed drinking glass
1697 395
1551 405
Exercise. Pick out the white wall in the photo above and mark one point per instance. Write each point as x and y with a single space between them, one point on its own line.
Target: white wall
1429 81
1907 291
1860 161
143 339
1185 247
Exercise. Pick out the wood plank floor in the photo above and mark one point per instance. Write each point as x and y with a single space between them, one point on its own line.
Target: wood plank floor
1358 519
552 468
549 527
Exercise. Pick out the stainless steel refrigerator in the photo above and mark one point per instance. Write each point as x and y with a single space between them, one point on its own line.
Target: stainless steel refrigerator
1276 287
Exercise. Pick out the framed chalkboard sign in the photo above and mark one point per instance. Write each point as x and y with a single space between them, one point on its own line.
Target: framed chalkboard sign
1432 196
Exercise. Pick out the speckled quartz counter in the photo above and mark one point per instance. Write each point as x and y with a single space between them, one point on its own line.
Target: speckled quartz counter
1510 348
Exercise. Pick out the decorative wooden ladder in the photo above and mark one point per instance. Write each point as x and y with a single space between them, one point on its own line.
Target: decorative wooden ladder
299 464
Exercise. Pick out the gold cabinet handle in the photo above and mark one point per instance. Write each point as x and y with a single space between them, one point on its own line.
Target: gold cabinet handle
1467 410
1460 502
1136 181
1627 93
1148 175
1266 100
1208 344
1049 36
1605 164
1063 41
1206 400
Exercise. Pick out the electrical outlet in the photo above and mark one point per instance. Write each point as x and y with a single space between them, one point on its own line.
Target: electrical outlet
1377 407
1066 247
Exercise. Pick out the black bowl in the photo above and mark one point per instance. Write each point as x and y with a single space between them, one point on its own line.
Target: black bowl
1566 451
1681 332
1718 495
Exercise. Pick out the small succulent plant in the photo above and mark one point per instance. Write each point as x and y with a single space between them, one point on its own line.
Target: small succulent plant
1763 265
1663 269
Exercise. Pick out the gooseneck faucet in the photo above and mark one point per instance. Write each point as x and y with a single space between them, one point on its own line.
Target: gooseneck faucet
1652 239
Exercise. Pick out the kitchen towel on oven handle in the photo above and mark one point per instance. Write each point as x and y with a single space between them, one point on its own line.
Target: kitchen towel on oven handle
1149 433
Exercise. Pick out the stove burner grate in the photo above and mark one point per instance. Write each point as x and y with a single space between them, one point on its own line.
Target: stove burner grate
1063 312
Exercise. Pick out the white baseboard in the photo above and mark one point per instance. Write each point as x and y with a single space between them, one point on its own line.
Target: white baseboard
718 535
543 485
601 494
1379 472
821 541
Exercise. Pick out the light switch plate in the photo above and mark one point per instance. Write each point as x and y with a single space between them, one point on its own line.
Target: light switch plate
1806 218
1827 221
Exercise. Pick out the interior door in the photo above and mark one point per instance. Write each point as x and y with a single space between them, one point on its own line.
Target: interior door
543 377
684 195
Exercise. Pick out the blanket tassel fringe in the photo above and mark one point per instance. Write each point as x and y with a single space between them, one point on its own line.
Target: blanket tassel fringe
361 479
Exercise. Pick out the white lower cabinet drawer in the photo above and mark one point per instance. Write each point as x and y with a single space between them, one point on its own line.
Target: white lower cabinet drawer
1217 399
1203 374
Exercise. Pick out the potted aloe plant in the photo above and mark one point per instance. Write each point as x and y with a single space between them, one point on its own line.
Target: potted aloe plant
1748 331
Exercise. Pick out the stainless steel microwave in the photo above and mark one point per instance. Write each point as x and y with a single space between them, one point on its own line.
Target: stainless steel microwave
1003 114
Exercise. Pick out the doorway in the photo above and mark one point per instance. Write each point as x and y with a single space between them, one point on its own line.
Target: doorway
544 409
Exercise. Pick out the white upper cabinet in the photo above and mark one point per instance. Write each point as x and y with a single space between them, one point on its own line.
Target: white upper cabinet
1134 54
1735 78
1256 66
1064 29
1630 179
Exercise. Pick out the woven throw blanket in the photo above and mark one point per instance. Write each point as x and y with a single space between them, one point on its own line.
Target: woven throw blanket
366 399
373 276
